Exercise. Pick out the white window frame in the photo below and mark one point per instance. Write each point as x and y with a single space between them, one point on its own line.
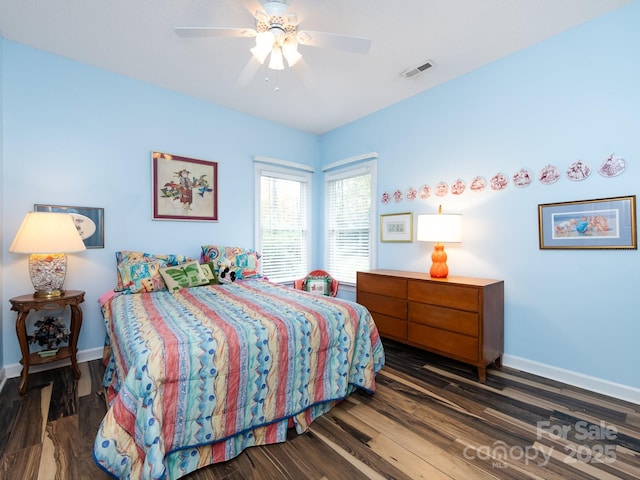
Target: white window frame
344 169
289 171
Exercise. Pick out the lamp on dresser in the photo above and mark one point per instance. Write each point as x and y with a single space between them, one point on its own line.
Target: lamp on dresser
439 228
47 237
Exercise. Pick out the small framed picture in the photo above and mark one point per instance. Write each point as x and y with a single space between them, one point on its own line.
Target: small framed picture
396 227
184 188
604 223
89 222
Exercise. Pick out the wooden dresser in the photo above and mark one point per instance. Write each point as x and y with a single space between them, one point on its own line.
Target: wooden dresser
457 317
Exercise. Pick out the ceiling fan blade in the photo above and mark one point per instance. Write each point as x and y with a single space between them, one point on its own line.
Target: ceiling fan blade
214 32
248 72
346 43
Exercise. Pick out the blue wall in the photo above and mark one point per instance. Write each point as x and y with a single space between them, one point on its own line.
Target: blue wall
575 96
77 135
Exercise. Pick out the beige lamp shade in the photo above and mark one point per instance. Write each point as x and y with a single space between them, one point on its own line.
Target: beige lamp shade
47 232
47 236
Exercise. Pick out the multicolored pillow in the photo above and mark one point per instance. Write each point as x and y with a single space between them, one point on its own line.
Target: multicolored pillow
141 276
134 257
186 275
246 261
320 285
228 273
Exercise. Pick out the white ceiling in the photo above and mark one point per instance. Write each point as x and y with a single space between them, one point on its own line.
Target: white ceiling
136 38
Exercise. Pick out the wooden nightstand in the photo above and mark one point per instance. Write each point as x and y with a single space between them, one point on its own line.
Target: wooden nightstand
23 305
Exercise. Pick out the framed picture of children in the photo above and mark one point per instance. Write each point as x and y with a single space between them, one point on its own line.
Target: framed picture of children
605 223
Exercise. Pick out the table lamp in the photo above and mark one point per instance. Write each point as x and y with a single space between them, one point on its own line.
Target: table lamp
47 237
440 228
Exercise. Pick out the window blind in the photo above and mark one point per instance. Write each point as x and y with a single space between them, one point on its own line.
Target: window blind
283 227
349 220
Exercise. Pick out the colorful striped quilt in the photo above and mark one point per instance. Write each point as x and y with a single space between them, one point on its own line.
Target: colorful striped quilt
197 376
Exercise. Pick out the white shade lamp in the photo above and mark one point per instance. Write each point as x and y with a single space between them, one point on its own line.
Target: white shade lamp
47 237
439 228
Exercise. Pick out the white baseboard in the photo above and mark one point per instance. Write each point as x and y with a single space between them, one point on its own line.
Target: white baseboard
598 385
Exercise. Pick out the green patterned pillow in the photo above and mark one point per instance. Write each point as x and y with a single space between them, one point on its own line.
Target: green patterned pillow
183 276
209 272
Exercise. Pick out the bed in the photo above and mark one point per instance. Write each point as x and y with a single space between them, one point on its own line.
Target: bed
196 376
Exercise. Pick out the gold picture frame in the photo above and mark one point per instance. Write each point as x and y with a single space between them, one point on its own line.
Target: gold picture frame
396 227
603 223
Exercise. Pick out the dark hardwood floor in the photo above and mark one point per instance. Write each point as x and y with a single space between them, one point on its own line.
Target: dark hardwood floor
429 419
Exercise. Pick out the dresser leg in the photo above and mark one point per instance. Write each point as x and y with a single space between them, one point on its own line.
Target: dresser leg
482 374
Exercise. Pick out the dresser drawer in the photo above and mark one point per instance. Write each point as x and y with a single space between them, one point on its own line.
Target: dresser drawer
390 306
450 344
445 294
450 319
388 286
390 327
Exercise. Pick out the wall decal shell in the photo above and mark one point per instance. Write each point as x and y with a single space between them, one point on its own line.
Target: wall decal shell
522 178
499 181
478 184
612 166
458 187
549 174
578 171
442 189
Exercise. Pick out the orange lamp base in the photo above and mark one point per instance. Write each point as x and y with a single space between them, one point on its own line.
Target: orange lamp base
439 267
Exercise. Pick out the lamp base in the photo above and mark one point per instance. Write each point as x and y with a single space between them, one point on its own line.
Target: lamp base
48 272
51 294
439 267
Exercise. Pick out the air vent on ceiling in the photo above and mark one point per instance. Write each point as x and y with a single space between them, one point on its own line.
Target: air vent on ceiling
412 72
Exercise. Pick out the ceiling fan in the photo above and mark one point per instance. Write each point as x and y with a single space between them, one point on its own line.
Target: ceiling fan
277 38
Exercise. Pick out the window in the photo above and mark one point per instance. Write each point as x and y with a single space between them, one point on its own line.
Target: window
350 220
282 223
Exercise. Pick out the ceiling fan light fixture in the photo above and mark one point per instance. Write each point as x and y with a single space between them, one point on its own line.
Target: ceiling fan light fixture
276 62
260 54
265 40
264 45
290 50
